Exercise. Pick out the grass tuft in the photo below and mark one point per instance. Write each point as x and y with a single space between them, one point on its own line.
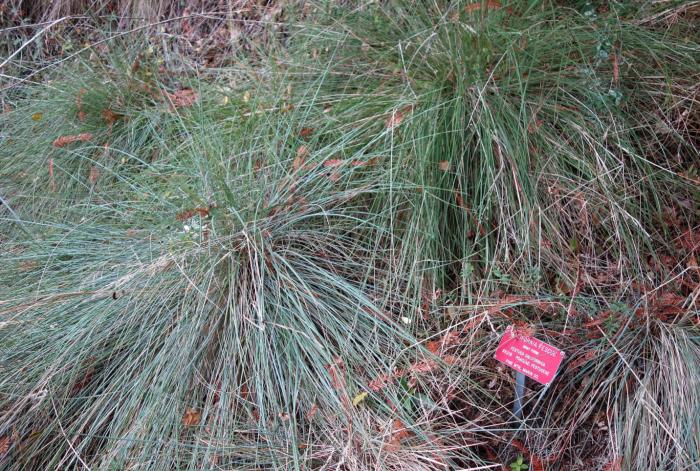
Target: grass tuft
304 257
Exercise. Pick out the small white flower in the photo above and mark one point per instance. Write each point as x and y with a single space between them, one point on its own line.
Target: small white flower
405 320
186 228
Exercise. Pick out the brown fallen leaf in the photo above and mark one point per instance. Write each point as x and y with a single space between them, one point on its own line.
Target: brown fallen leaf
444 165
665 307
451 359
476 6
334 177
191 417
397 116
692 264
312 412
190 213
583 359
433 346
383 381
306 132
400 430
79 104
86 379
398 433
299 161
187 29
534 125
94 174
365 163
302 152
689 240
331 163
523 329
424 366
182 98
136 66
110 116
336 370
65 140
614 465
51 178
4 445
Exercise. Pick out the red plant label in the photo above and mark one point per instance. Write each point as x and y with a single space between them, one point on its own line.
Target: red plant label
533 358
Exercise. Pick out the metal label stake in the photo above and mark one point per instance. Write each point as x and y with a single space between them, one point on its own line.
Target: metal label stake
519 395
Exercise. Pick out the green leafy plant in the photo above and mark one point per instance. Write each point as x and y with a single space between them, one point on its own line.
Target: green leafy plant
519 464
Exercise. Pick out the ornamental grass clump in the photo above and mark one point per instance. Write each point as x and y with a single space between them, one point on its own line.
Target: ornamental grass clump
306 260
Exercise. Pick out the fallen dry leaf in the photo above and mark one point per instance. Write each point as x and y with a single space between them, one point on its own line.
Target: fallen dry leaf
185 25
302 152
534 125
65 140
450 359
191 417
51 178
79 104
614 465
433 346
424 366
665 307
583 359
397 116
136 66
182 98
365 163
359 398
312 412
398 433
306 132
523 329
444 165
190 213
382 381
490 5
331 163
689 240
400 430
110 116
4 445
336 370
94 174
299 161
87 378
